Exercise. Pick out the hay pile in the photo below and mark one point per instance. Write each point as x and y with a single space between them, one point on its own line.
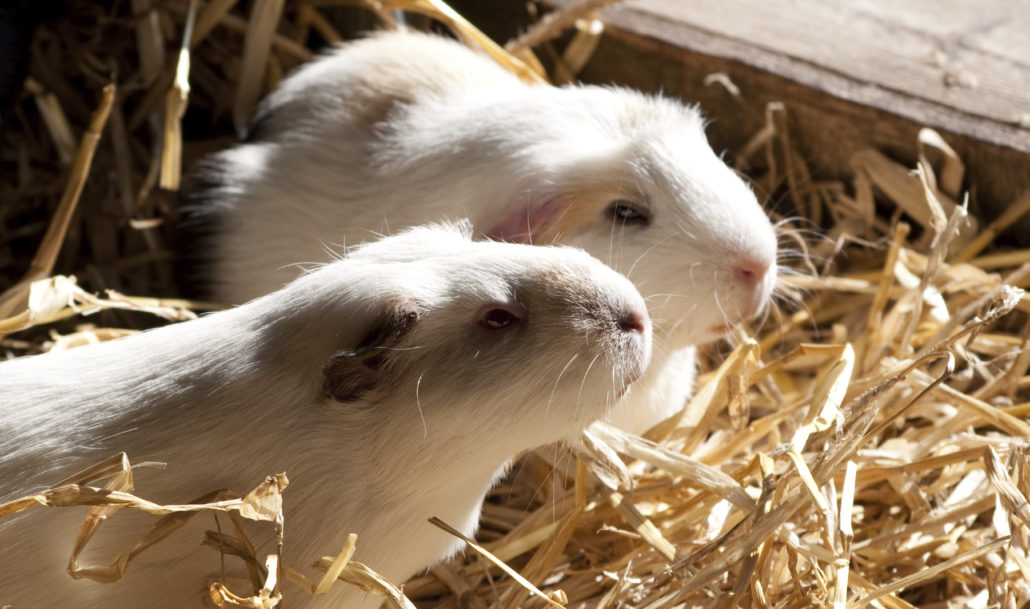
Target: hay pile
866 448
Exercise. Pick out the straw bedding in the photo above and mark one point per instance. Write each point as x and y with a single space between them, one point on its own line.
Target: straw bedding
864 445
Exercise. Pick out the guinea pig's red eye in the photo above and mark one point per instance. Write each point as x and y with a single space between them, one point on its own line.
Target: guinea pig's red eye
495 319
623 212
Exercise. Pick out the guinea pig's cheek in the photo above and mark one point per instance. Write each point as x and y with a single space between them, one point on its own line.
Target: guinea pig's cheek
672 316
526 221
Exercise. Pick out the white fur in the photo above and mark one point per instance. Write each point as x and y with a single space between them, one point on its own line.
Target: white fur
400 129
237 395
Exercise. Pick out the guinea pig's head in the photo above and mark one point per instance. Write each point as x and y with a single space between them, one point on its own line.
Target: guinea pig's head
632 179
535 341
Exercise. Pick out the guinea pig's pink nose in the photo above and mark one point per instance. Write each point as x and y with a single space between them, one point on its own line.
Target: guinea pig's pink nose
751 271
634 320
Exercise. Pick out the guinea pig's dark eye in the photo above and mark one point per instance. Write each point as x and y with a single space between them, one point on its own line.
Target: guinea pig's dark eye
496 319
621 211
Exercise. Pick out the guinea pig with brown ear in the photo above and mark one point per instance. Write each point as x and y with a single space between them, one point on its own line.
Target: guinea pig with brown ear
403 128
391 386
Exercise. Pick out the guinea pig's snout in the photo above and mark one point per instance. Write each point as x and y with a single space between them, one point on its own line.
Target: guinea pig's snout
634 325
755 275
751 271
633 319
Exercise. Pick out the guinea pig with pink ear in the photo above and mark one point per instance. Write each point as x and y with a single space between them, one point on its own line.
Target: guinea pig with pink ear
391 386
403 128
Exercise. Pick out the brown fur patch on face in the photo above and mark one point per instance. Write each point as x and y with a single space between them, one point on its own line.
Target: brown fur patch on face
371 105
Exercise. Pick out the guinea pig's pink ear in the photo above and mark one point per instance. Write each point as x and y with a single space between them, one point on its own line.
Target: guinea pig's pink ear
527 221
351 372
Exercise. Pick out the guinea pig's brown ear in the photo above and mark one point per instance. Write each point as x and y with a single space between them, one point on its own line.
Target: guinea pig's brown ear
351 372
527 221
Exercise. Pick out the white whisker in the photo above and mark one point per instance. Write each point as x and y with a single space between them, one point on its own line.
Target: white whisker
557 380
418 404
583 382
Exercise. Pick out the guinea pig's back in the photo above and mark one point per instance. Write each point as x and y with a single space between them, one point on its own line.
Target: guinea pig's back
363 82
306 160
